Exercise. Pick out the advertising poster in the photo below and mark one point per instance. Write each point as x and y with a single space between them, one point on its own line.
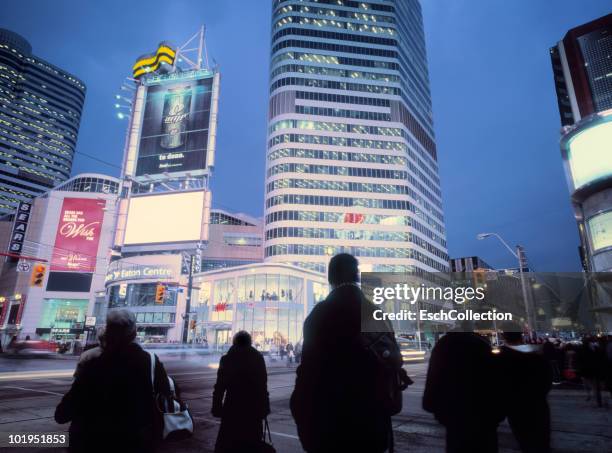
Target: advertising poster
78 235
174 134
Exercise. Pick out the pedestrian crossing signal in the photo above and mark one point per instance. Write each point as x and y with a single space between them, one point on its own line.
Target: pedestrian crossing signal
38 275
160 294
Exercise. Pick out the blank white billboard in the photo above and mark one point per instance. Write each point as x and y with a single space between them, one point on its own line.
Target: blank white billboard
170 217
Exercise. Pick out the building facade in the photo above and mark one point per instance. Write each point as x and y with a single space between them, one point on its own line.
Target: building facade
351 159
582 67
69 235
40 113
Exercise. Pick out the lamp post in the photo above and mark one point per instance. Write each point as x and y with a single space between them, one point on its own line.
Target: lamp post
519 254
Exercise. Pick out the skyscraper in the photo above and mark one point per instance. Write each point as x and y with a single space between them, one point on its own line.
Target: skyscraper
351 159
582 67
40 112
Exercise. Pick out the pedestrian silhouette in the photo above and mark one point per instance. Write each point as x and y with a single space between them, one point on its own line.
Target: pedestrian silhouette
527 379
240 397
110 404
462 391
335 403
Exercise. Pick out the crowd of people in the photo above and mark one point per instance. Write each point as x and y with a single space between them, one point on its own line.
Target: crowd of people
348 384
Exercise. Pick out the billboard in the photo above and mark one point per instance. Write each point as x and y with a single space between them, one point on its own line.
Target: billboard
590 154
600 229
175 126
167 217
78 235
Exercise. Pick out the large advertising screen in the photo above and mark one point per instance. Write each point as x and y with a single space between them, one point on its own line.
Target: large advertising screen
168 217
175 126
78 235
590 154
600 229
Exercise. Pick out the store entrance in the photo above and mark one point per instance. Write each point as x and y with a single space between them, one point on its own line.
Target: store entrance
223 339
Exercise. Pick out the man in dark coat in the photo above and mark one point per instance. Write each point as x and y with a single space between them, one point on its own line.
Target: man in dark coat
242 380
334 401
462 390
527 379
110 402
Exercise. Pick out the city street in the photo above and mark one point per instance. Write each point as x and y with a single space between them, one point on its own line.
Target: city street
28 396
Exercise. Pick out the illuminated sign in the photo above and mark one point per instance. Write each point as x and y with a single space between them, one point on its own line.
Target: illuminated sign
154 271
600 230
152 62
78 235
168 217
175 125
22 217
589 154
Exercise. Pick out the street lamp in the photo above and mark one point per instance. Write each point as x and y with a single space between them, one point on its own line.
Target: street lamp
519 254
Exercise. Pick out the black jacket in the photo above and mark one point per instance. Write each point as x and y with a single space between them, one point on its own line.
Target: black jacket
463 380
334 402
110 403
240 398
526 381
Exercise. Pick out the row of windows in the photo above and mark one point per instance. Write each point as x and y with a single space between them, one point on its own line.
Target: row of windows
224 219
322 200
345 3
341 98
330 126
345 186
355 37
336 141
333 72
333 48
342 186
333 170
155 318
332 23
356 235
334 85
335 13
373 252
336 155
334 233
334 59
357 218
341 113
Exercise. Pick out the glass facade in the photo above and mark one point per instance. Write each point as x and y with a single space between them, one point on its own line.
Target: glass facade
270 305
40 113
350 138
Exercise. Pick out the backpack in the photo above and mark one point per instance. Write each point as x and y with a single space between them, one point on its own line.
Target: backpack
390 377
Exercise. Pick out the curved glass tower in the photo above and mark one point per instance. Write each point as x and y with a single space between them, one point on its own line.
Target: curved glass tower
351 159
40 113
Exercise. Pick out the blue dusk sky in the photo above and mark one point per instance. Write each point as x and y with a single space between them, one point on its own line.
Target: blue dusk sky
495 112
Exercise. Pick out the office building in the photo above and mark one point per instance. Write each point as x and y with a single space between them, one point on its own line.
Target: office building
351 164
40 112
582 67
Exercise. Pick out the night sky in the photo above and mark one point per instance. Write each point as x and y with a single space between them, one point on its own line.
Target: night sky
495 112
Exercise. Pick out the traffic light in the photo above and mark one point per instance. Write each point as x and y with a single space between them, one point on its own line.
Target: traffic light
38 275
160 294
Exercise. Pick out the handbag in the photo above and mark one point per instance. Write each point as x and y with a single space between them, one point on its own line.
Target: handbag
266 447
176 418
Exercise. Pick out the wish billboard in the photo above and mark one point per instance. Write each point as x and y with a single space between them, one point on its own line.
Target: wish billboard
78 235
175 125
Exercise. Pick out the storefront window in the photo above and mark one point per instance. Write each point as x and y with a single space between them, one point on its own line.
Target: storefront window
63 313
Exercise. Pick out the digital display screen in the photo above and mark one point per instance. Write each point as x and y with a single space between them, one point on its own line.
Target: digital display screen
168 217
600 229
590 154
175 124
